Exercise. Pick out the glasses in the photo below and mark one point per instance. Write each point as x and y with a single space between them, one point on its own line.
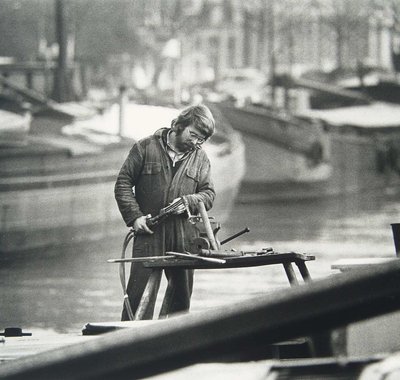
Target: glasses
200 140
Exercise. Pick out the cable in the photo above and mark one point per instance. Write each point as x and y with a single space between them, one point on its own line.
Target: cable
130 235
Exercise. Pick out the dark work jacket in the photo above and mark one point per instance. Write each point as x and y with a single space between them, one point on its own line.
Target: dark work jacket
148 169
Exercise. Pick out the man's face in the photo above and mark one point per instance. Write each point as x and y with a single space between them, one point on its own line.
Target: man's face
189 138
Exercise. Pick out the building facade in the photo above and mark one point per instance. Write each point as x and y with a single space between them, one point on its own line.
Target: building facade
284 37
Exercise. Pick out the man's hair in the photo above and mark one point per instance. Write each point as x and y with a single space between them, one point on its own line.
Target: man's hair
199 116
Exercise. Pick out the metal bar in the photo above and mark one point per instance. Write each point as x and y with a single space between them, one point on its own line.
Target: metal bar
235 235
140 259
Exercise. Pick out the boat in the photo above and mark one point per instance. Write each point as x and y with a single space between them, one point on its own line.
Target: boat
377 83
233 337
56 189
225 149
319 152
13 128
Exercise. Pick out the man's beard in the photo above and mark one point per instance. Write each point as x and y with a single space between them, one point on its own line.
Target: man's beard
181 144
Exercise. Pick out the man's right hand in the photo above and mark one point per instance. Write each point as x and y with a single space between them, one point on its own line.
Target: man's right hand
140 225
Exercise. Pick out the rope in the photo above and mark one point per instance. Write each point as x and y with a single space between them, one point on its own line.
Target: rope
130 235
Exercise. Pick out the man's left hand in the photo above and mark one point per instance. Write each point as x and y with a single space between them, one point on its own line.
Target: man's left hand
181 208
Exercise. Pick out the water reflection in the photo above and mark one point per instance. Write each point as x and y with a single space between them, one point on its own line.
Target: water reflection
351 217
65 289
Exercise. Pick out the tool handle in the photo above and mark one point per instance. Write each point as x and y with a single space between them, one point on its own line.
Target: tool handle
235 235
207 225
153 221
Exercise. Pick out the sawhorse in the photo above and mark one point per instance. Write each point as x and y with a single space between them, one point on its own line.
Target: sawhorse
157 265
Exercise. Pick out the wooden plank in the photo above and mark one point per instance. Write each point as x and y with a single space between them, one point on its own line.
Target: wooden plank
232 262
250 260
360 263
321 368
232 332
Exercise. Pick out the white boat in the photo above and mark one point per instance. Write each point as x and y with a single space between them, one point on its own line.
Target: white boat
58 189
225 149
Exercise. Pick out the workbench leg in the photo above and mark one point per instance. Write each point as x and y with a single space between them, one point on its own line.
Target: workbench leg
303 270
291 275
167 299
149 293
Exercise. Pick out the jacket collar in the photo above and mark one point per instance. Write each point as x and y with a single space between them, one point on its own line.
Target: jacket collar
162 136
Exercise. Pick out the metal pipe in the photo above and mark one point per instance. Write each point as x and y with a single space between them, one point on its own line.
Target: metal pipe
123 99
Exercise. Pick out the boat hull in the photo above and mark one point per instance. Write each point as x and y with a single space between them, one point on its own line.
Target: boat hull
51 197
282 160
55 217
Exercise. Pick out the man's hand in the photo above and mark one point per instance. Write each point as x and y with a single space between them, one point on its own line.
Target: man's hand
140 225
181 208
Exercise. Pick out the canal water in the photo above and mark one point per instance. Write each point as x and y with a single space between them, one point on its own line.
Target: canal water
63 290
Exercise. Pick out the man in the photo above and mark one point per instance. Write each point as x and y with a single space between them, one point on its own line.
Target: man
163 168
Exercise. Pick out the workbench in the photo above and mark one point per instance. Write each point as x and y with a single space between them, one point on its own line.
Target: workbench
158 264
